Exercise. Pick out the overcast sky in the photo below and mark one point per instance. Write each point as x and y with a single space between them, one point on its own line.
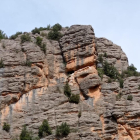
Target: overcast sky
116 20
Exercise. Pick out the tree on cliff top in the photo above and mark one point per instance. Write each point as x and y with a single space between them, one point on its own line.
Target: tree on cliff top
3 35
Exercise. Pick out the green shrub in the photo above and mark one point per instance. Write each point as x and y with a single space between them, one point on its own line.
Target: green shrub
131 71
100 72
43 48
37 30
1 64
110 71
74 98
105 54
79 114
121 82
54 35
3 35
25 134
130 97
100 58
57 27
43 34
44 129
28 63
25 37
39 43
139 87
67 90
15 35
63 130
48 27
118 96
6 127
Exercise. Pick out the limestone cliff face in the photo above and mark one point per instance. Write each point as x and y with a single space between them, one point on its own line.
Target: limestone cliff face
28 95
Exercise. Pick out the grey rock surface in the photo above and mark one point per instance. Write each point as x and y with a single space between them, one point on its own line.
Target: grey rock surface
30 94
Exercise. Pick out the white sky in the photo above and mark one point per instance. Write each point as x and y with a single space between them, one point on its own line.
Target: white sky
116 20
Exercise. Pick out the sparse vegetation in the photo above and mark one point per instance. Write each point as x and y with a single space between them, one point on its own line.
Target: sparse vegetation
105 54
131 71
6 127
79 114
3 35
100 58
44 129
67 90
100 72
74 98
39 41
25 37
48 27
27 135
55 34
40 44
110 70
121 82
139 87
118 96
28 63
37 30
63 130
1 64
43 34
15 35
130 97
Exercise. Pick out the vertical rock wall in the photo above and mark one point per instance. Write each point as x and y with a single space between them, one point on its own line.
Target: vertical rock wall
28 95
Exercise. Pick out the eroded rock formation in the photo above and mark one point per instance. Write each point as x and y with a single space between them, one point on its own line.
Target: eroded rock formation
28 95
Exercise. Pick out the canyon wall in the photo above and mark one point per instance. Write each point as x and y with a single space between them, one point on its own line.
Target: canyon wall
30 94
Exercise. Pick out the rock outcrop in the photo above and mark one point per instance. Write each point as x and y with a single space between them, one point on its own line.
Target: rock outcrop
31 93
112 53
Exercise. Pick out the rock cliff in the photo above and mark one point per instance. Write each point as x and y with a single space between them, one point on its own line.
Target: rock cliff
32 87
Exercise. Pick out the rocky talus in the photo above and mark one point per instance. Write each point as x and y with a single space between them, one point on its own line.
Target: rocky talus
30 94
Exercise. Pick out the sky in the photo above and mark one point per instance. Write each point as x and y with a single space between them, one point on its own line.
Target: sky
116 20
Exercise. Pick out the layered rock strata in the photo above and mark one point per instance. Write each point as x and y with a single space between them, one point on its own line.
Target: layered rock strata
28 95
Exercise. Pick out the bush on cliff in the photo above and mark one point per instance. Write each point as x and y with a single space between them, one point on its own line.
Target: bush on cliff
28 63
15 35
63 130
37 30
3 35
44 129
1 64
110 70
6 127
25 38
27 135
74 98
67 90
100 58
130 97
40 44
100 72
55 34
131 71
